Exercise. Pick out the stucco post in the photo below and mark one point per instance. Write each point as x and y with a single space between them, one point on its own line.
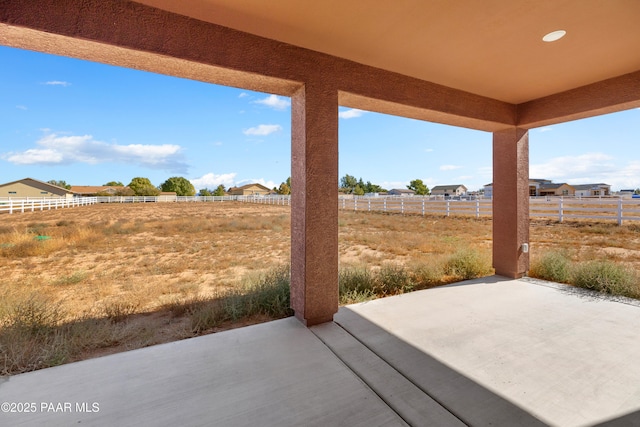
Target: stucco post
510 202
314 207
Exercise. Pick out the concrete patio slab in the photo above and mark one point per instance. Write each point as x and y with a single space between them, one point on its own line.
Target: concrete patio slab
493 349
273 374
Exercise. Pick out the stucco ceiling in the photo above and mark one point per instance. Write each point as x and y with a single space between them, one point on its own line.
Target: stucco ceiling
492 48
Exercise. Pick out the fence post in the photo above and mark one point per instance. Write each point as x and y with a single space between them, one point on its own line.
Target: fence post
477 208
448 207
22 207
423 206
369 205
402 206
355 204
619 211
10 206
385 204
560 210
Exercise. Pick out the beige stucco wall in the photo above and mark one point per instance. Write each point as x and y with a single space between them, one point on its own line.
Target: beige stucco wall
30 189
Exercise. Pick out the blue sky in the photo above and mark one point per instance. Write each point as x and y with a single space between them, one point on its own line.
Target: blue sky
89 123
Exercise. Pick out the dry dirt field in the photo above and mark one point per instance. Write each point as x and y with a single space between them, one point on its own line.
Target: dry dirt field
109 260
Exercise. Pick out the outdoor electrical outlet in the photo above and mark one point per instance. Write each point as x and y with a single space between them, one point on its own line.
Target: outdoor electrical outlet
525 248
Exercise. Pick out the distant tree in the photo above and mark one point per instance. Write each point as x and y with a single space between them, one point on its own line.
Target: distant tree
143 187
373 188
125 191
284 189
358 191
288 182
181 186
114 184
637 191
60 183
205 192
348 183
219 191
418 186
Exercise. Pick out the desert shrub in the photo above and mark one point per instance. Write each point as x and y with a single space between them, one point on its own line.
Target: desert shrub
72 279
269 294
393 279
23 352
262 294
606 276
355 279
206 316
467 264
427 275
35 315
117 310
553 266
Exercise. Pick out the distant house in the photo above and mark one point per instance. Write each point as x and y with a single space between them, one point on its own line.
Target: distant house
534 186
449 190
562 189
29 187
99 190
592 190
401 192
249 190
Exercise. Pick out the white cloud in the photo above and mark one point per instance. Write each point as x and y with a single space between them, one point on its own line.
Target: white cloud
545 129
268 184
21 107
262 130
58 83
428 150
449 167
63 150
350 114
589 168
212 180
275 102
243 95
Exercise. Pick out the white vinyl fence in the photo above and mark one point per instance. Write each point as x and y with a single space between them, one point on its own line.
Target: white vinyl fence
11 205
558 209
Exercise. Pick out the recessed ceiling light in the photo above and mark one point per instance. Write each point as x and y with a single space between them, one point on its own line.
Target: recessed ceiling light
554 35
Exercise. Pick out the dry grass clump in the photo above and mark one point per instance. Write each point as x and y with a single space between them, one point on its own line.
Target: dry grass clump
363 283
600 275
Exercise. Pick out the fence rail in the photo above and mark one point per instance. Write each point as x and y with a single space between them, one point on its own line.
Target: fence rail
11 205
560 209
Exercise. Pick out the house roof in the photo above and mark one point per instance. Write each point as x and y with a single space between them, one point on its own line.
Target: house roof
553 186
590 186
41 183
446 187
83 189
247 186
402 190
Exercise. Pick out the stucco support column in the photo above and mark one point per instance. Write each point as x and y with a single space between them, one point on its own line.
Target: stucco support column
510 202
314 204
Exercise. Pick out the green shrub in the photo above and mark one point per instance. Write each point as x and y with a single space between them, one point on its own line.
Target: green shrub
35 315
467 264
426 275
606 276
269 293
393 279
552 266
355 279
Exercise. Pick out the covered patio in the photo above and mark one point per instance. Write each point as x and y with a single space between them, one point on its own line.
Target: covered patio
503 356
